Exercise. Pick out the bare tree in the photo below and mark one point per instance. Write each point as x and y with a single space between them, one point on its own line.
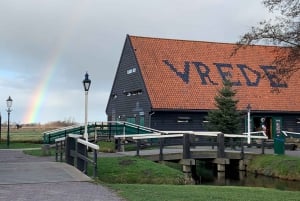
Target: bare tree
283 31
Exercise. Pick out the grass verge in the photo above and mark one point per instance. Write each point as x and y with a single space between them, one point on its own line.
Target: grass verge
136 170
146 192
19 145
281 166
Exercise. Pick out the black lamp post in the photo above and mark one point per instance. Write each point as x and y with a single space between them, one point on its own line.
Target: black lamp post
86 85
9 104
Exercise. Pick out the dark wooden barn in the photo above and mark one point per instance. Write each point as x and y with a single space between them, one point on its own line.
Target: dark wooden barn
170 84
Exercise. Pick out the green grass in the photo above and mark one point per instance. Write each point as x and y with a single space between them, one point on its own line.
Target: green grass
136 170
146 192
282 166
108 147
18 145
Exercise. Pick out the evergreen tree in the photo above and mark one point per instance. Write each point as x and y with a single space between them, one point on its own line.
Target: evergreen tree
225 118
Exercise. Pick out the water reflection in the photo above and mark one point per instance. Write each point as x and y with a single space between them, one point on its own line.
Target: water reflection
241 178
207 175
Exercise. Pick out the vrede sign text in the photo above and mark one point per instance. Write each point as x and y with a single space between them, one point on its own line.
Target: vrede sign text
225 71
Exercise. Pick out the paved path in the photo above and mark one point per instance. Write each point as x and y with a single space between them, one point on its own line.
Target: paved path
24 177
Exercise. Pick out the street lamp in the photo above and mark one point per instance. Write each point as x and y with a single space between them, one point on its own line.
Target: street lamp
9 104
249 110
86 85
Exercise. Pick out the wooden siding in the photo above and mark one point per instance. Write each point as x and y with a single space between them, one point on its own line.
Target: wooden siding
290 122
169 121
125 99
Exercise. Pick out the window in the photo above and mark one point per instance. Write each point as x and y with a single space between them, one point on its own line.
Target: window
131 70
184 119
114 96
133 92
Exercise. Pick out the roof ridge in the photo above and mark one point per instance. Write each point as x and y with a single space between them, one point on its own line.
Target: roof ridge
202 41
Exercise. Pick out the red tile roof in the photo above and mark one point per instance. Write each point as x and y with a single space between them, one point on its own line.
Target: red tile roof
181 74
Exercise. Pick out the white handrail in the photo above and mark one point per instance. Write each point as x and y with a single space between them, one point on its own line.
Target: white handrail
60 139
207 134
286 133
158 136
137 135
257 132
88 144
61 129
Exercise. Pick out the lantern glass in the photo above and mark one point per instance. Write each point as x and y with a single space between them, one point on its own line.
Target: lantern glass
86 82
9 102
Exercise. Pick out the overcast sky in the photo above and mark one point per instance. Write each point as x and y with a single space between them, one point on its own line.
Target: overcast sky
46 46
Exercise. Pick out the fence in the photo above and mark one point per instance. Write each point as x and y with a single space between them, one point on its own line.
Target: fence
75 151
189 139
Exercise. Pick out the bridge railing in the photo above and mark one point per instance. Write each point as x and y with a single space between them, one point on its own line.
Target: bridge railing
50 136
97 129
291 134
187 141
74 151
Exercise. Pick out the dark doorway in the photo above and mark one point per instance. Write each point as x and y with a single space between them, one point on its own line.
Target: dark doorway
263 124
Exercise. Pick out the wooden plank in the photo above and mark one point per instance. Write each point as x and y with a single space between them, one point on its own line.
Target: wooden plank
91 145
60 139
158 136
187 162
222 161
136 135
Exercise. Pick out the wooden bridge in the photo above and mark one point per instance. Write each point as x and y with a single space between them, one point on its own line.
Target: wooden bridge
188 147
185 147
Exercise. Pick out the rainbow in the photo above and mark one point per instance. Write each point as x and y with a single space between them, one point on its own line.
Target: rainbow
39 94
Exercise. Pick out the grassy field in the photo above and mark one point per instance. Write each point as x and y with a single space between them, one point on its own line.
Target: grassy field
148 192
25 137
136 170
25 134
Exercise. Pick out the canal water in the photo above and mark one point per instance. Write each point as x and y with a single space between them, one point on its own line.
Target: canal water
242 178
